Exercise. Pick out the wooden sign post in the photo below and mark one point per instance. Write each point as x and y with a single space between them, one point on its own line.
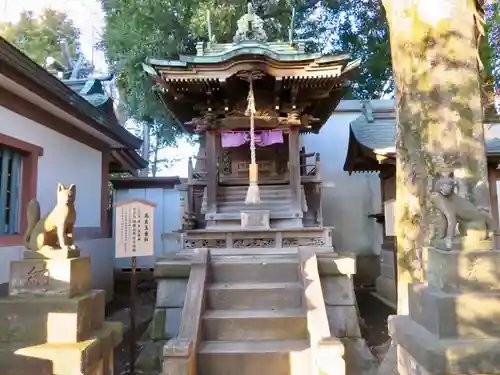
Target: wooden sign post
134 237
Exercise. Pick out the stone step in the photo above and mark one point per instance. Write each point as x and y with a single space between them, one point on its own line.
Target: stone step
245 296
248 325
276 206
254 358
264 196
255 269
261 187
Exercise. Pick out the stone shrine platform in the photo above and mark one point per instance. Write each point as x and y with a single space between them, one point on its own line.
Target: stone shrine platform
272 238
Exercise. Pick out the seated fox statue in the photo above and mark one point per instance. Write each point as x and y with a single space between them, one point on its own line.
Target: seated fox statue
54 231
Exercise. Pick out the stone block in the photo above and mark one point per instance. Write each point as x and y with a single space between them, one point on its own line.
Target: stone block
458 271
343 321
175 266
336 264
171 292
172 321
34 320
444 356
158 325
358 357
407 365
329 357
338 291
50 277
255 219
466 315
89 357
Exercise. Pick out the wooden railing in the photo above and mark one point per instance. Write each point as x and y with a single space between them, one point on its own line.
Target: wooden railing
179 354
309 169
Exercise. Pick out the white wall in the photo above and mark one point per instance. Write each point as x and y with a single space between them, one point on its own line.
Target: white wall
64 160
166 219
346 200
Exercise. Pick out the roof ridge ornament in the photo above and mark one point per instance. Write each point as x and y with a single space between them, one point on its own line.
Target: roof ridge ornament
250 27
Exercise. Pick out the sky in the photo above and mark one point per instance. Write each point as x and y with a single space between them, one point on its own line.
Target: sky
89 18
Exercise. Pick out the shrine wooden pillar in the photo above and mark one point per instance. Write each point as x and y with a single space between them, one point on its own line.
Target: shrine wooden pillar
294 167
211 155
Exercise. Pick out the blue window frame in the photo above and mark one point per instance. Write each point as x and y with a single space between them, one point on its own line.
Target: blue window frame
10 181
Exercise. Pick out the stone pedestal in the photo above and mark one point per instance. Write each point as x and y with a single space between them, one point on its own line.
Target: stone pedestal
52 323
452 326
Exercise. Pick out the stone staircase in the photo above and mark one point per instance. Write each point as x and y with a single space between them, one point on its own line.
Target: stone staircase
277 199
255 318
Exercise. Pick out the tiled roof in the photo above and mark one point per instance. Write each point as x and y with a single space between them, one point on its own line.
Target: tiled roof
376 130
44 84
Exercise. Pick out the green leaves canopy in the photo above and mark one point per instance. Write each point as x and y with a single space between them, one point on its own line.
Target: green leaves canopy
41 37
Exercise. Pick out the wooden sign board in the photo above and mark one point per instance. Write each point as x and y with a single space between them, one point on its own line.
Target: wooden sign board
390 217
134 228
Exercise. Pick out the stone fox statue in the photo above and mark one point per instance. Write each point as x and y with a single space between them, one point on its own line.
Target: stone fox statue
56 229
456 209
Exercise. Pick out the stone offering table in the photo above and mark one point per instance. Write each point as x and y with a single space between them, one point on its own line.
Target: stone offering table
52 322
452 326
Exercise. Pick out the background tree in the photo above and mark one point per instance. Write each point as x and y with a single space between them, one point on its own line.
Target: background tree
42 36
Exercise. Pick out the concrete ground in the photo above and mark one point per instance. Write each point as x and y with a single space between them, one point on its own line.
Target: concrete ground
118 310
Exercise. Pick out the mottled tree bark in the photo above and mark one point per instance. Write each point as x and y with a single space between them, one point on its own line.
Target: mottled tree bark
439 115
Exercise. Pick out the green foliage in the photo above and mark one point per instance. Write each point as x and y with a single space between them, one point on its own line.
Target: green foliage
359 27
41 37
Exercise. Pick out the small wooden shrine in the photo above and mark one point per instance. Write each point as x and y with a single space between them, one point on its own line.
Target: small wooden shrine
249 100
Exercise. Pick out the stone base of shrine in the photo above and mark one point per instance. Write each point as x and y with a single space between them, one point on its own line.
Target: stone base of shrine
274 238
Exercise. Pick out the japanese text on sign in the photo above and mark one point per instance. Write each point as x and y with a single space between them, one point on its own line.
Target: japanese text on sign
134 228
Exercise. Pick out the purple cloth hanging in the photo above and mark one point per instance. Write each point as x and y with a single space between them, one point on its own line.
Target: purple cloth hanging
270 137
233 139
262 139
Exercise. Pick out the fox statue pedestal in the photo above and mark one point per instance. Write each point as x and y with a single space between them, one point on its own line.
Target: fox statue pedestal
52 322
452 326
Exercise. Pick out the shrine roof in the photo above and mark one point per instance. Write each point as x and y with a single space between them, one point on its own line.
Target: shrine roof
209 90
374 134
278 51
92 90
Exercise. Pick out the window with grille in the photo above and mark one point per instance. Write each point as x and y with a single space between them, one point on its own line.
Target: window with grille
10 174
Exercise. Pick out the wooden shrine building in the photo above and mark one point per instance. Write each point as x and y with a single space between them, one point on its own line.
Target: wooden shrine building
295 92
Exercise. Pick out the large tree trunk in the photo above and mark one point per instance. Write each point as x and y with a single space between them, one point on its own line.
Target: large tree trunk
439 114
439 120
